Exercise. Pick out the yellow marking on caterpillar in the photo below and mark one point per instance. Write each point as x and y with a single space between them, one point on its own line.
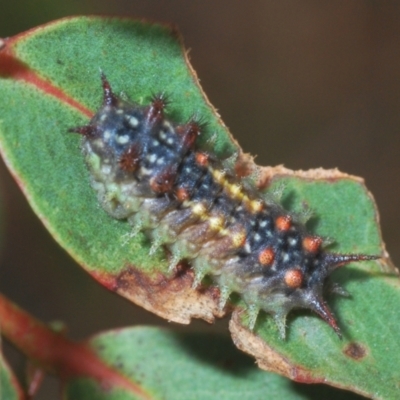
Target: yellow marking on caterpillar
256 205
199 209
216 223
236 192
239 238
219 176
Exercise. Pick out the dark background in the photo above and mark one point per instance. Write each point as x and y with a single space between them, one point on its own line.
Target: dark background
301 83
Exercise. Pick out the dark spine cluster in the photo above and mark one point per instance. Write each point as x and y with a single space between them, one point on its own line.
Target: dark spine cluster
149 170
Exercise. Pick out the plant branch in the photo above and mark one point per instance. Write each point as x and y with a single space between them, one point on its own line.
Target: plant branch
57 354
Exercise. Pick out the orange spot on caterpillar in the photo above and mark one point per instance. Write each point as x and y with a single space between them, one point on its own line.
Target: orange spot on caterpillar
182 194
283 223
163 182
266 256
202 159
312 243
293 278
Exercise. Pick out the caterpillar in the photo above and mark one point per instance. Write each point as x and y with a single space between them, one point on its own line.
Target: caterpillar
150 170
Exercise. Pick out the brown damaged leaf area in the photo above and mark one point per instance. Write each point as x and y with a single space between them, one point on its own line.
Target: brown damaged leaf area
355 351
267 358
172 299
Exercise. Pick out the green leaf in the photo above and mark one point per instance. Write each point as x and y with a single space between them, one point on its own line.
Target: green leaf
9 386
49 81
184 366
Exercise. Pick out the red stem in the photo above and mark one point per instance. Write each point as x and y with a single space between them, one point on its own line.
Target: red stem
57 354
13 68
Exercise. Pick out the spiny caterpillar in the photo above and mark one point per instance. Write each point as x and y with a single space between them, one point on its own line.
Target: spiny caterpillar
149 170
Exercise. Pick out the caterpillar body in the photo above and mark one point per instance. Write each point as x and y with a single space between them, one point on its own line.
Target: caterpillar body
149 170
